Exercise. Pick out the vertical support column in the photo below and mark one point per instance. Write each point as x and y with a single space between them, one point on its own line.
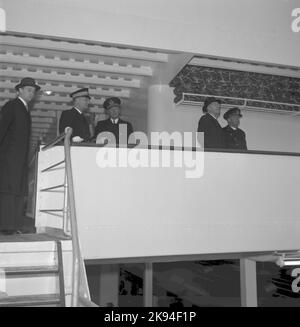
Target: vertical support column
148 285
2 19
160 108
66 216
58 114
109 286
248 283
2 282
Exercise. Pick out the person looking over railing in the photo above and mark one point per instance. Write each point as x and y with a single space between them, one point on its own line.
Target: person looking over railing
235 138
209 125
114 124
75 118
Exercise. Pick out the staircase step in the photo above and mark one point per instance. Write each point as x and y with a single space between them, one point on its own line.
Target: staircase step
30 300
30 270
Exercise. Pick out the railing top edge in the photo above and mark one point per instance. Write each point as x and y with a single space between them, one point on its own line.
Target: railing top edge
183 148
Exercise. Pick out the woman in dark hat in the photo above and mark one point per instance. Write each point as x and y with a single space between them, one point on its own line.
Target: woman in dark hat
235 138
14 148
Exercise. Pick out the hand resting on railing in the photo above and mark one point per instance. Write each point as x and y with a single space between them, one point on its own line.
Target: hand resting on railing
77 139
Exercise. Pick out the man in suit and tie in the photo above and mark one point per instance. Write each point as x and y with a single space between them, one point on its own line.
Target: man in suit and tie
209 125
15 125
235 138
119 128
75 117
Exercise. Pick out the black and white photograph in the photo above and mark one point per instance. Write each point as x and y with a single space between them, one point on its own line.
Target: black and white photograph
150 156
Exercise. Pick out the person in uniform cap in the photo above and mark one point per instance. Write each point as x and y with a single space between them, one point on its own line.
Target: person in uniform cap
209 125
15 125
235 138
75 117
121 129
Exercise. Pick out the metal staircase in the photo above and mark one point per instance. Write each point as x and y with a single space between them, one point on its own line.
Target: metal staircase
46 269
32 272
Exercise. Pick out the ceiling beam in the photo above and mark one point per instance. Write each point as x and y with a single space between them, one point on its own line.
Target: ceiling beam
67 89
40 113
55 107
73 65
39 130
67 77
35 136
46 106
41 120
80 47
43 130
40 125
51 98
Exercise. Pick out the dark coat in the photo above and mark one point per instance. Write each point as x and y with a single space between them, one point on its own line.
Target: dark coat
235 139
108 126
72 118
213 132
15 124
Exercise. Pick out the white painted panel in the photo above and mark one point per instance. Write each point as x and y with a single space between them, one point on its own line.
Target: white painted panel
22 254
32 285
244 202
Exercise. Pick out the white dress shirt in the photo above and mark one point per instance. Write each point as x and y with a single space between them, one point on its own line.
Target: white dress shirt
114 121
24 102
78 110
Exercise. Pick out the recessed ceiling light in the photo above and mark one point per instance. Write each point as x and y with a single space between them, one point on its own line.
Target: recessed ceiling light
48 92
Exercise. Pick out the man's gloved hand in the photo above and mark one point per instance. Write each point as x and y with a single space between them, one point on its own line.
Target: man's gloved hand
77 139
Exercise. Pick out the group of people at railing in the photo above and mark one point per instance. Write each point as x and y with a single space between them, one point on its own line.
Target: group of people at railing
15 134
15 128
216 137
76 119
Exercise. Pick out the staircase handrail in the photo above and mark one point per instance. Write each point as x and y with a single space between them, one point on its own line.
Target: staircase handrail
73 219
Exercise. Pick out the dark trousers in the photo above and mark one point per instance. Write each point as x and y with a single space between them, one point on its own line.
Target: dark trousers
11 211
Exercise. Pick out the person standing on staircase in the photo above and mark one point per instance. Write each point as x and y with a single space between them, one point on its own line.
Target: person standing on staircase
15 125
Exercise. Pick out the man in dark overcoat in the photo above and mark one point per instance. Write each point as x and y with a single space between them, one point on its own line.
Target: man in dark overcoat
75 118
209 125
15 127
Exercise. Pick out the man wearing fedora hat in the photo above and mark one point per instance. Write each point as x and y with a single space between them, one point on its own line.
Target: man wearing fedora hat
114 124
14 148
209 125
235 138
75 117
